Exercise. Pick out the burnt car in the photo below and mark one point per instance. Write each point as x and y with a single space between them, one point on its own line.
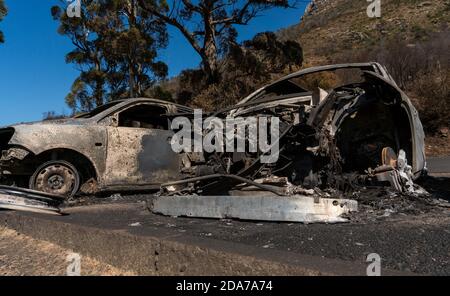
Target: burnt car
341 126
123 145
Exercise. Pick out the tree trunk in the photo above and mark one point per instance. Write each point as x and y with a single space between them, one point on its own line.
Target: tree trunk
210 60
209 47
132 73
98 92
131 78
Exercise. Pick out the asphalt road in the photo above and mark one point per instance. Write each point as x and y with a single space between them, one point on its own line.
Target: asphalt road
438 165
409 235
407 242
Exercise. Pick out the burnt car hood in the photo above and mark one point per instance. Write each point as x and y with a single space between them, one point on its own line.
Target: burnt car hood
58 134
66 121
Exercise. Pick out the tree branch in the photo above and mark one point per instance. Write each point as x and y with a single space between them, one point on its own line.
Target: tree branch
237 18
190 6
174 22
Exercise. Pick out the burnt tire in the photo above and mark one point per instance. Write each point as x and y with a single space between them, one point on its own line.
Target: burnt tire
56 177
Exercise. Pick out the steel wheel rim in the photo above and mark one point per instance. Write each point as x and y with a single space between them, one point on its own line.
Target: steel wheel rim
57 179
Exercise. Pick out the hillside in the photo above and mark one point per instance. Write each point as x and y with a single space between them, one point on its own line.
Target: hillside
411 38
331 27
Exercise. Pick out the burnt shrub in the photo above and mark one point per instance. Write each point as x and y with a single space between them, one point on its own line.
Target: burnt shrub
431 94
244 68
421 69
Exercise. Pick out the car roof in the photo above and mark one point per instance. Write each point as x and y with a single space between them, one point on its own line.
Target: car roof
121 103
374 66
151 100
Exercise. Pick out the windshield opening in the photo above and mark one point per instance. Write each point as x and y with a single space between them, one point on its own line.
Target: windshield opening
97 110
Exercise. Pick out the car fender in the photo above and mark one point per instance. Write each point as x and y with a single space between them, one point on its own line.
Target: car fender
89 141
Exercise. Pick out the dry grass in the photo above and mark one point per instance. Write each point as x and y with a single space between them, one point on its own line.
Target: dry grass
344 25
437 146
23 255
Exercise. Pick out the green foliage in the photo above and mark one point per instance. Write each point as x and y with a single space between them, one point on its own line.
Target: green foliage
3 12
116 47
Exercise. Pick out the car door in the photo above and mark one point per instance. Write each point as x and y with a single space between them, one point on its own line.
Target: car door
138 150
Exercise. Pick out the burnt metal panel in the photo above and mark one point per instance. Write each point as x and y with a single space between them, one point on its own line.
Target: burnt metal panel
13 198
140 156
295 208
87 140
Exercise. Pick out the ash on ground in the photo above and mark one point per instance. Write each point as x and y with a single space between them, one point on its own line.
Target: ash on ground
382 203
374 203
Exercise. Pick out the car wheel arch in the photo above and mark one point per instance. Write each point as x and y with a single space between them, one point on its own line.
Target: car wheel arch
81 161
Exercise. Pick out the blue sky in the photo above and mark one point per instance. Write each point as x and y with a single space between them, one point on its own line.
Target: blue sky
34 77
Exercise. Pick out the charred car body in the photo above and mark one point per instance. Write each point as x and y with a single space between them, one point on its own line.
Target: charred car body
362 131
123 145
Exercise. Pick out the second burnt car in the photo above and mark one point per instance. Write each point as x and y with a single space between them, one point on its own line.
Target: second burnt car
341 127
123 145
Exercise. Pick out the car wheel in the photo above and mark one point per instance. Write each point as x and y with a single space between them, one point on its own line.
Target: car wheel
56 177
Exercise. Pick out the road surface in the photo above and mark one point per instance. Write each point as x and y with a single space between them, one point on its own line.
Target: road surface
409 235
439 165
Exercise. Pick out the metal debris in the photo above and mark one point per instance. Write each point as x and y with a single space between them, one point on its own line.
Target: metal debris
398 173
19 199
136 224
295 208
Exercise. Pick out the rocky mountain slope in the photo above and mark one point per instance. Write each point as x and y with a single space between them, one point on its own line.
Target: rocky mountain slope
331 27
411 38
